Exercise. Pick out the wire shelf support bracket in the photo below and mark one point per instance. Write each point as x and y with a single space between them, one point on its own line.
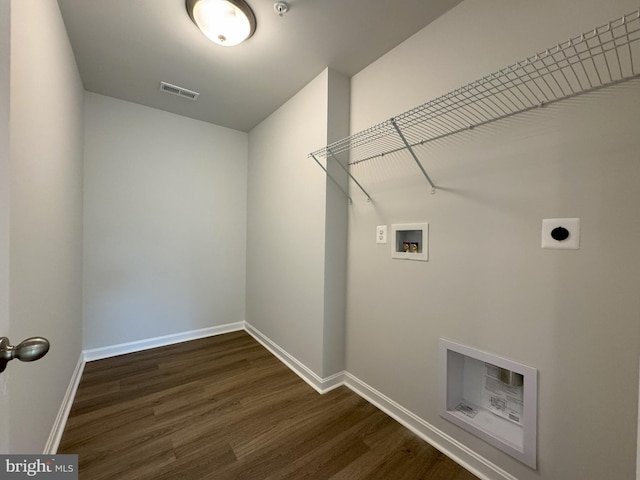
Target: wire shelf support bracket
333 179
331 155
413 155
604 56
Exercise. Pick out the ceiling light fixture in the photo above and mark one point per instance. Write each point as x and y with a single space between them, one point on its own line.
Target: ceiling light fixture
225 22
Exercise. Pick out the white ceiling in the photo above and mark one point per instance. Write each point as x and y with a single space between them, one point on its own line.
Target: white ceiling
124 48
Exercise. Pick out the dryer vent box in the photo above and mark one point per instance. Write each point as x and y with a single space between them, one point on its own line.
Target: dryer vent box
492 397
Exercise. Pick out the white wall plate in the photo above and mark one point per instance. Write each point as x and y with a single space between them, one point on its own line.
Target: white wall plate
410 241
561 233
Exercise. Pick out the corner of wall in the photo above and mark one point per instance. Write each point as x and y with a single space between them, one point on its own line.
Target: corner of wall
336 226
46 138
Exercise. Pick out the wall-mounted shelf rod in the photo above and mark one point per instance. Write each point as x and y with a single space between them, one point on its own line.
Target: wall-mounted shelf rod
348 173
333 179
604 56
404 140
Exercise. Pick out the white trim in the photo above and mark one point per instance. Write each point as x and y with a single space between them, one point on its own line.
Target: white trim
51 447
146 344
461 454
638 430
321 385
457 451
332 382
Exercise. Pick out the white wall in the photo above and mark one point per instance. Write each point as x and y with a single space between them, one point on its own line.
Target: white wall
572 314
336 227
165 223
290 255
45 217
5 182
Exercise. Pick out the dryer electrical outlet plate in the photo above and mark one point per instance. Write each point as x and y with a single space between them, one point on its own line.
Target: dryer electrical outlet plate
561 233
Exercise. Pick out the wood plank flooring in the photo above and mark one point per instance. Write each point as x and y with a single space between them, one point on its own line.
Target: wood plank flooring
224 408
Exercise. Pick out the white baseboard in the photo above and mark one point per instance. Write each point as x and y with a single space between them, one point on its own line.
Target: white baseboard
457 451
146 344
464 456
476 464
321 385
51 447
638 431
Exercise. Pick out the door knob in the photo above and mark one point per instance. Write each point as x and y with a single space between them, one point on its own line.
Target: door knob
28 350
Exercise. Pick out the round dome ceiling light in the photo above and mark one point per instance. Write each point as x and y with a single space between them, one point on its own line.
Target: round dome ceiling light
225 22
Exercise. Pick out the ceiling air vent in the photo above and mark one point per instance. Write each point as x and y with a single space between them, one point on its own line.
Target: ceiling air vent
181 92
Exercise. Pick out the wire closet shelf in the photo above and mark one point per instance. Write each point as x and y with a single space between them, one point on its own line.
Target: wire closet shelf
607 55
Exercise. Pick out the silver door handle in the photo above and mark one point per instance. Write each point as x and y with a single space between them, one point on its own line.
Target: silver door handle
28 350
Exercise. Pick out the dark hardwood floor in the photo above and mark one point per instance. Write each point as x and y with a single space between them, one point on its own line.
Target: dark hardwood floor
224 408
